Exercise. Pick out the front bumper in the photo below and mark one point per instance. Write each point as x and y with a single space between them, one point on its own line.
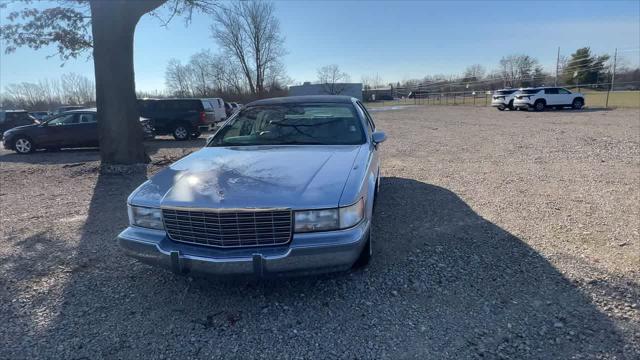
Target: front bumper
6 142
522 104
308 253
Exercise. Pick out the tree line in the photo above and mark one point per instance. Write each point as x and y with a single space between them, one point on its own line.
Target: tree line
249 64
582 67
47 94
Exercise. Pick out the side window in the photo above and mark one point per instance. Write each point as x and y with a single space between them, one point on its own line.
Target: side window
552 91
11 117
372 125
87 118
564 91
207 105
67 119
219 103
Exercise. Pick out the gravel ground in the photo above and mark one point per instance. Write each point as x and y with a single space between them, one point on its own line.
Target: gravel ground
497 235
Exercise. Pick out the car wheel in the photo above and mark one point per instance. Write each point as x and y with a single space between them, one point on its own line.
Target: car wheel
23 145
196 135
539 105
501 107
365 255
181 133
577 104
511 105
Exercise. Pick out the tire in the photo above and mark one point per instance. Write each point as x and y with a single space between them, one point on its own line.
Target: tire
501 107
577 104
196 135
511 105
365 256
23 145
539 105
181 132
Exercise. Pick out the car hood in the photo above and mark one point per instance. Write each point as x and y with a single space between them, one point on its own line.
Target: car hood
21 128
297 177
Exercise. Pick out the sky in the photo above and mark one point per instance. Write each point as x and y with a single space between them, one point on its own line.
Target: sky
397 40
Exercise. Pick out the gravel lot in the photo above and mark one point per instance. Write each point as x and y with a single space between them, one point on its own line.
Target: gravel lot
497 235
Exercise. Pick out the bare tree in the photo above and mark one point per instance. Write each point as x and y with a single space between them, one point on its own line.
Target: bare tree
332 79
519 70
249 32
474 72
177 78
77 89
372 81
46 94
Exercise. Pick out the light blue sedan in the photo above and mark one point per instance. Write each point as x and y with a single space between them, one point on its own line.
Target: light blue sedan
285 186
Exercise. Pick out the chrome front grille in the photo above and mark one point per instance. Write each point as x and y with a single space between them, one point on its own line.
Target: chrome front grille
229 228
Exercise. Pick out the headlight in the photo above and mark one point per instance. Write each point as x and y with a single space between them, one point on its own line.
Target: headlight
316 220
145 217
351 215
329 219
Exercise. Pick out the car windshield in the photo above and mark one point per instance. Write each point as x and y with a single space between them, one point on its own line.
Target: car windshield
292 124
530 91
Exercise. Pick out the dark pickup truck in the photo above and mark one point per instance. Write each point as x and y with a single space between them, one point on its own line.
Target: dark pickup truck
182 118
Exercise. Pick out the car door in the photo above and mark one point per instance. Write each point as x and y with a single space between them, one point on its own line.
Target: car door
160 116
86 131
552 96
58 132
565 96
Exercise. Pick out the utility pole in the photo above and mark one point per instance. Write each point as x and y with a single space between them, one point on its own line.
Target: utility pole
557 66
613 76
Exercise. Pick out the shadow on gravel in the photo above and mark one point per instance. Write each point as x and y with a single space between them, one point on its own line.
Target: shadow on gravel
444 283
44 157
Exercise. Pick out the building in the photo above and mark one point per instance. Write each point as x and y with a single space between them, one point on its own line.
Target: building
346 89
385 93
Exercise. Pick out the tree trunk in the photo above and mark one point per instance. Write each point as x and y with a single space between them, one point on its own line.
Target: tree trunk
113 27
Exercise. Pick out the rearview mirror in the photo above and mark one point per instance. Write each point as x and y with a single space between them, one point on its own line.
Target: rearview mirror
378 136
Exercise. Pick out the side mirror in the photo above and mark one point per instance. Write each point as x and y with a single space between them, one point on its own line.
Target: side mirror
378 136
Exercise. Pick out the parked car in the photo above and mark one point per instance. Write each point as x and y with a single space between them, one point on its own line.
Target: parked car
72 129
66 108
40 115
182 118
235 106
13 118
285 186
503 99
217 104
228 109
544 97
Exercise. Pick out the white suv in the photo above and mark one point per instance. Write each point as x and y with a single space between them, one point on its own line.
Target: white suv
542 98
503 98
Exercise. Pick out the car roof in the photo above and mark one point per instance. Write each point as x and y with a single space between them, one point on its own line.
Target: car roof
82 110
173 99
13 111
339 99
